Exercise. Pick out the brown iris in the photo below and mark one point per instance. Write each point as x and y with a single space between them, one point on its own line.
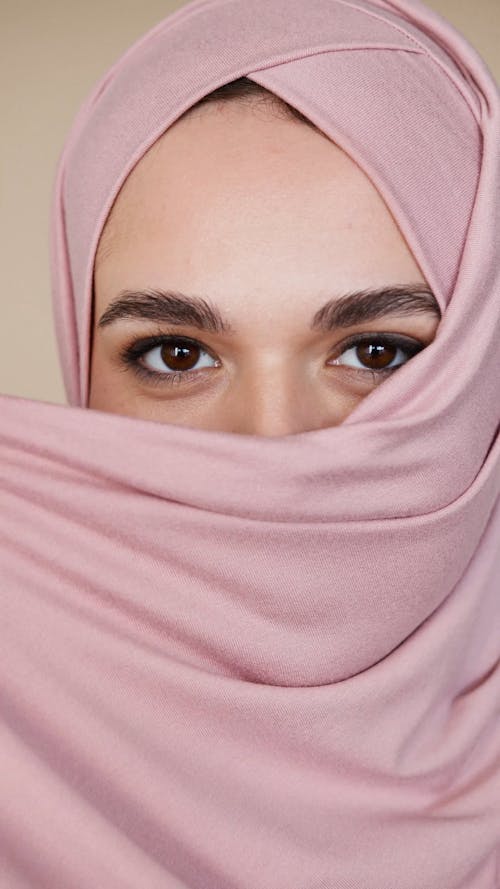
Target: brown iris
184 356
180 357
376 355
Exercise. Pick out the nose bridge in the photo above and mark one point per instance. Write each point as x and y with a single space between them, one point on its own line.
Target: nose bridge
276 399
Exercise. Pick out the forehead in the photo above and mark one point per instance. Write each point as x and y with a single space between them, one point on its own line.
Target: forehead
238 152
237 194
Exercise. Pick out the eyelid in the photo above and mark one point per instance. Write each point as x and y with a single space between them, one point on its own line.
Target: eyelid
412 344
164 335
129 355
131 352
138 346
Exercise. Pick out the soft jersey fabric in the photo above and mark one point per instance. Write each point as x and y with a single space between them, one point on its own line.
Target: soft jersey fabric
232 662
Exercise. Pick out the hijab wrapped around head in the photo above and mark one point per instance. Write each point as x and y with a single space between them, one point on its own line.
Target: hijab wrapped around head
233 662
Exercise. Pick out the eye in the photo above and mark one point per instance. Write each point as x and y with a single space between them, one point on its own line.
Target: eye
177 355
377 352
166 359
174 360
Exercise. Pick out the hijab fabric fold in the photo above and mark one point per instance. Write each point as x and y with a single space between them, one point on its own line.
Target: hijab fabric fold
233 662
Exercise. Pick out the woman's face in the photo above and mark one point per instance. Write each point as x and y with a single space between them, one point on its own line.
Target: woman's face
213 271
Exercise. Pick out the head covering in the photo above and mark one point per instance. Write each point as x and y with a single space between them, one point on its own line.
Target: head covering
240 662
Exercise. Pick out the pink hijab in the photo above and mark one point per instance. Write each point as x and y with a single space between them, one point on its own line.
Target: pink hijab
233 662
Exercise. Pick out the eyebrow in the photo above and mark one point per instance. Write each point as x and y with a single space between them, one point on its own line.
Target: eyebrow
347 310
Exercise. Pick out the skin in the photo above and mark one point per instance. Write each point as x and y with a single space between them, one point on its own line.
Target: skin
267 219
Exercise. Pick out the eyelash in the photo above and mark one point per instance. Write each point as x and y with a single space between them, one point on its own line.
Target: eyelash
132 352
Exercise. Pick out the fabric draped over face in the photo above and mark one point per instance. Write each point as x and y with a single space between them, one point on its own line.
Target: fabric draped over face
232 661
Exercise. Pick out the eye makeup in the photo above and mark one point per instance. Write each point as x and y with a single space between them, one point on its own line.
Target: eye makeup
372 342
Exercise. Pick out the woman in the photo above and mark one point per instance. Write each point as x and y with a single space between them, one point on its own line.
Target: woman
280 218
267 659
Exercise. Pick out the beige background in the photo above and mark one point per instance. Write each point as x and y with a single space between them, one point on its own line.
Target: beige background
51 54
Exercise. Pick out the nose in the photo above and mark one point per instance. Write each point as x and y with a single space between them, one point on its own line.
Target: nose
280 404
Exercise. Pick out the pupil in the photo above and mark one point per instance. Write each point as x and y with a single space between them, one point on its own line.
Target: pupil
178 357
377 355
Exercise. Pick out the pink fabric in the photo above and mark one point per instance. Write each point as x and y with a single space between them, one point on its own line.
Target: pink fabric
233 662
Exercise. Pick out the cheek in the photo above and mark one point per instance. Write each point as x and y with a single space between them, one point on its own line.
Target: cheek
99 383
108 389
